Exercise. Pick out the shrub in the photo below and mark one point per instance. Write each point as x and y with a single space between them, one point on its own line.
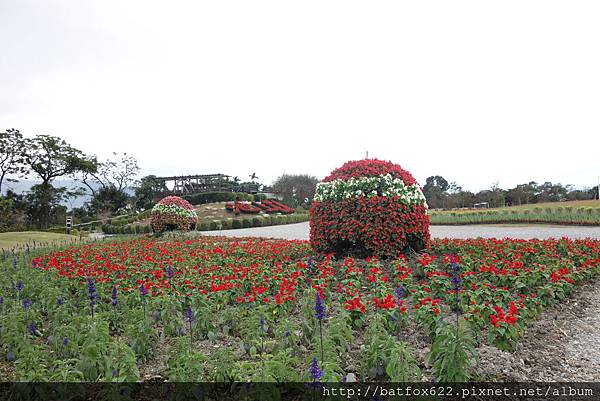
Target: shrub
246 223
171 213
257 222
236 223
369 208
226 224
203 226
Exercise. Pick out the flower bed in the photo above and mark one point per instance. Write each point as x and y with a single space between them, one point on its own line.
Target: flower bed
267 205
256 301
369 208
243 207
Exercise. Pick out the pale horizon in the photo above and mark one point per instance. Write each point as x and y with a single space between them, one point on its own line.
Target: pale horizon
475 92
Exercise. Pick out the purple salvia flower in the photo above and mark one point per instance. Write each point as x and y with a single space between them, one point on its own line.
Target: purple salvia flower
143 290
399 293
19 286
26 303
14 263
115 373
65 342
114 296
319 307
286 334
189 315
170 272
262 324
455 280
31 328
91 287
60 301
315 372
1 300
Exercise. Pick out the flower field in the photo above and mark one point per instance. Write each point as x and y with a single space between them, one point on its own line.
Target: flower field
248 309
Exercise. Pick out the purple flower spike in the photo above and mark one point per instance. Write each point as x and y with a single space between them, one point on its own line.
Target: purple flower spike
32 328
319 307
315 372
189 315
114 296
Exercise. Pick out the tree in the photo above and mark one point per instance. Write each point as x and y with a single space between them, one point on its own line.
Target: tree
435 191
145 190
50 157
119 172
108 200
295 188
11 154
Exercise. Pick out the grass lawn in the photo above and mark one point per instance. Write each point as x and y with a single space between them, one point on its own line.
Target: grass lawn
570 213
595 204
10 240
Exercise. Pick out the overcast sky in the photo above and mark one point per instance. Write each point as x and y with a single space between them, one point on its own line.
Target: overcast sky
475 91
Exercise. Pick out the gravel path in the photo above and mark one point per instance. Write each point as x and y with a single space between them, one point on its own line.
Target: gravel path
301 231
563 344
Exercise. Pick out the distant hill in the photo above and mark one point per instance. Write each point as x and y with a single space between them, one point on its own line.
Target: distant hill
25 185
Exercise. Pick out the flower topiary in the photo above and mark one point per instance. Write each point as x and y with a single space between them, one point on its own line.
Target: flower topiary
369 208
173 213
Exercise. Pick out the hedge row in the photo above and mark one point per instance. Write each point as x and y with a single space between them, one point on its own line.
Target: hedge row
212 197
588 219
137 229
256 221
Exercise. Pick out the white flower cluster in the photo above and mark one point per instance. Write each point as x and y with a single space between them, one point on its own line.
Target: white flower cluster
369 187
173 209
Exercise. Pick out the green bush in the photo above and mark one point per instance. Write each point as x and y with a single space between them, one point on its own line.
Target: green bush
246 223
257 222
236 223
226 224
203 226
215 225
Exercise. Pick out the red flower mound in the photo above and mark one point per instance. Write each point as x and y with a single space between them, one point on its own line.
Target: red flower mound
368 224
370 168
173 213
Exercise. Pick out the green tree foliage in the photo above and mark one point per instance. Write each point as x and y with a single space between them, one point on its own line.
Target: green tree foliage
11 154
295 188
145 190
443 194
49 157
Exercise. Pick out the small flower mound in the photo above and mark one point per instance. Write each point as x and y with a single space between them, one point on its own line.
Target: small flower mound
173 213
369 208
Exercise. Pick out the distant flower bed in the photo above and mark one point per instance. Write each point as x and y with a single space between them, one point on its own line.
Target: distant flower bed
267 206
